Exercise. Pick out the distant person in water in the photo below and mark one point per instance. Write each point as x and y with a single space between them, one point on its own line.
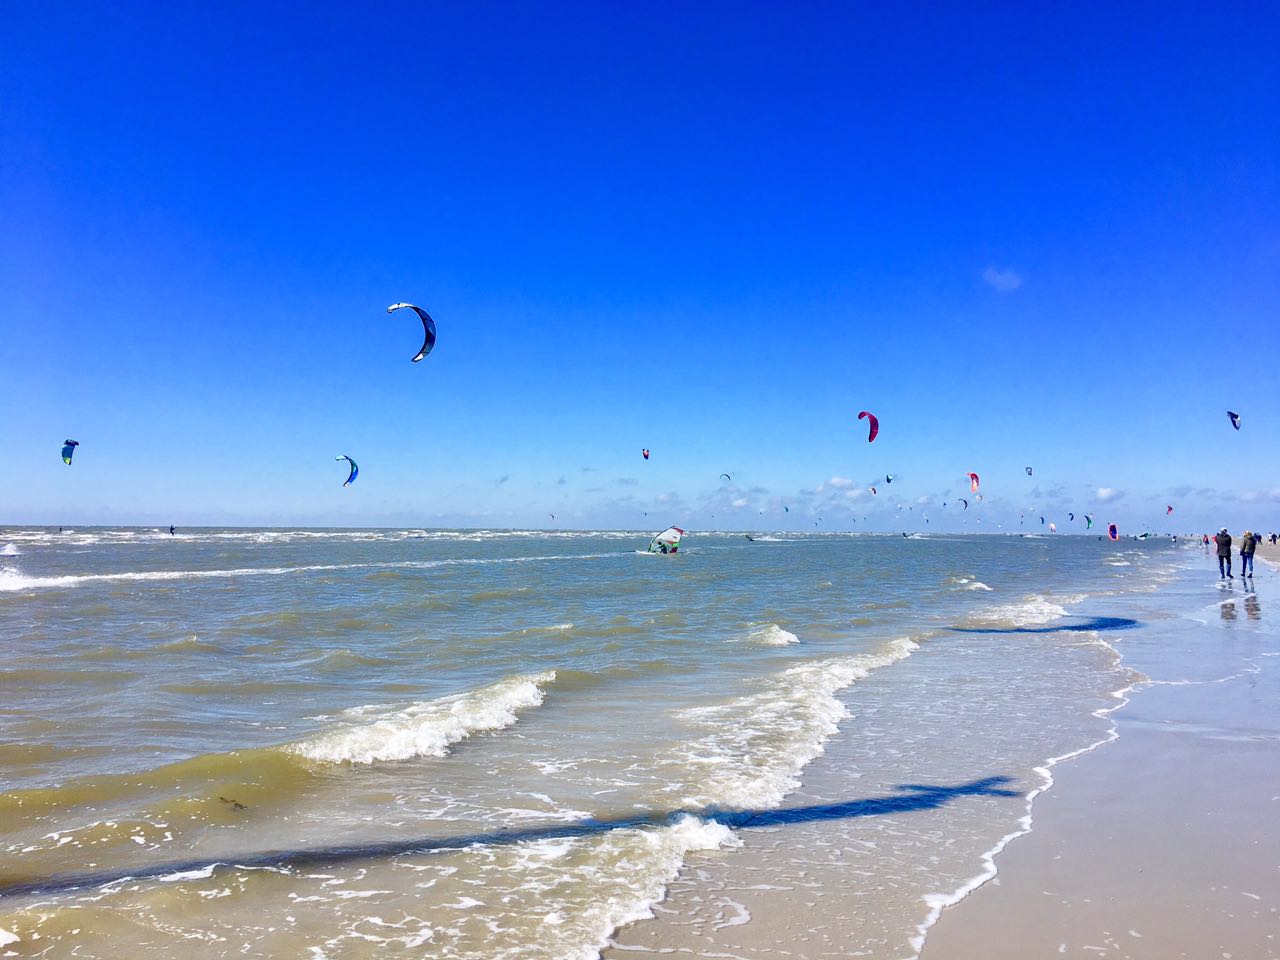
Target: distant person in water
171 529
1248 545
1223 540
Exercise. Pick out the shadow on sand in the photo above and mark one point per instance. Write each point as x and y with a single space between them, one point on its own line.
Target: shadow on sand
1084 626
910 797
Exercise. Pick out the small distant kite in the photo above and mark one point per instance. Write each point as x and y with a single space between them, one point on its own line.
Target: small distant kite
973 482
786 509
1235 419
1168 510
1088 521
1042 521
428 327
1028 471
1071 516
966 503
68 450
725 476
873 491
355 471
645 453
873 424
551 515
888 478
1113 532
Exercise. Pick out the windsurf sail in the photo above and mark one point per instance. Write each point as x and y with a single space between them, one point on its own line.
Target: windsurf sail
668 541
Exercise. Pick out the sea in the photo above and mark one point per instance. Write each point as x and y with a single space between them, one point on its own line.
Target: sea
543 744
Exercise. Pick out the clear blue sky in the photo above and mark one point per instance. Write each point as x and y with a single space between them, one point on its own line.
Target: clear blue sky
1021 237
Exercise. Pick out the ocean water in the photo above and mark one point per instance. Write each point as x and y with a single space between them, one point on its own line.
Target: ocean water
527 744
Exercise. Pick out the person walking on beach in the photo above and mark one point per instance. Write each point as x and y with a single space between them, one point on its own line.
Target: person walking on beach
1223 540
1248 545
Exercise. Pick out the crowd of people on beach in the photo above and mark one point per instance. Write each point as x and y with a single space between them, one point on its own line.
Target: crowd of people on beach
1248 547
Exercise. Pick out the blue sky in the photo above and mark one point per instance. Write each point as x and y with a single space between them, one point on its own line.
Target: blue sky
1020 237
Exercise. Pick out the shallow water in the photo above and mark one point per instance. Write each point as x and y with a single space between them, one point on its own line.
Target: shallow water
508 744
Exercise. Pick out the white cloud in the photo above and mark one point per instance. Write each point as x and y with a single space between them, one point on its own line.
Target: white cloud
1108 495
839 483
1006 281
740 502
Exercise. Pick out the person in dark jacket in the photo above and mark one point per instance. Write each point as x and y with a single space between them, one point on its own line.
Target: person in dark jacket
1223 540
1248 546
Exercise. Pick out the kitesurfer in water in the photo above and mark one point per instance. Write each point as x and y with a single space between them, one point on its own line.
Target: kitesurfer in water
171 529
1223 540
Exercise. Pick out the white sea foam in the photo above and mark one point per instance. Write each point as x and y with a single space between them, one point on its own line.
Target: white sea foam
749 751
627 869
1031 611
11 579
769 635
427 729
10 550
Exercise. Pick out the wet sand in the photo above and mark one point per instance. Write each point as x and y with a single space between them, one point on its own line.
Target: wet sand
1166 843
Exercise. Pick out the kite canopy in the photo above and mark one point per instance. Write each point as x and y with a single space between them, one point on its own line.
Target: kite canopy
1235 419
351 477
1028 471
873 491
1071 516
428 327
725 476
965 502
973 482
1113 532
1168 510
873 424
1088 521
668 541
645 453
68 450
888 478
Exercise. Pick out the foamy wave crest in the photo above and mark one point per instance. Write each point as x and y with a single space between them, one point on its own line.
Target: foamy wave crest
10 550
627 871
426 729
1031 611
751 750
771 635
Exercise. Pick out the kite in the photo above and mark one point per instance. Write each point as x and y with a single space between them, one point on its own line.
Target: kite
351 478
1113 532
1088 521
1042 521
873 491
873 424
428 327
1168 510
888 478
645 453
786 509
68 450
1028 471
725 476
1235 419
973 482
668 541
1071 516
966 503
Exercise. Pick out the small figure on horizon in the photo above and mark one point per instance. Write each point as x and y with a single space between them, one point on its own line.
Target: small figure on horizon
1223 540
1248 545
171 529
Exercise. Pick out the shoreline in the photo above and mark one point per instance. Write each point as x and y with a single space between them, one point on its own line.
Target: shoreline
1117 867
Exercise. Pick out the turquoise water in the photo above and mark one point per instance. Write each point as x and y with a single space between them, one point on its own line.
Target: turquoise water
510 744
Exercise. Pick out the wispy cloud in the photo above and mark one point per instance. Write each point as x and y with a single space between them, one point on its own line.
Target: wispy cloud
1109 495
1006 281
627 482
